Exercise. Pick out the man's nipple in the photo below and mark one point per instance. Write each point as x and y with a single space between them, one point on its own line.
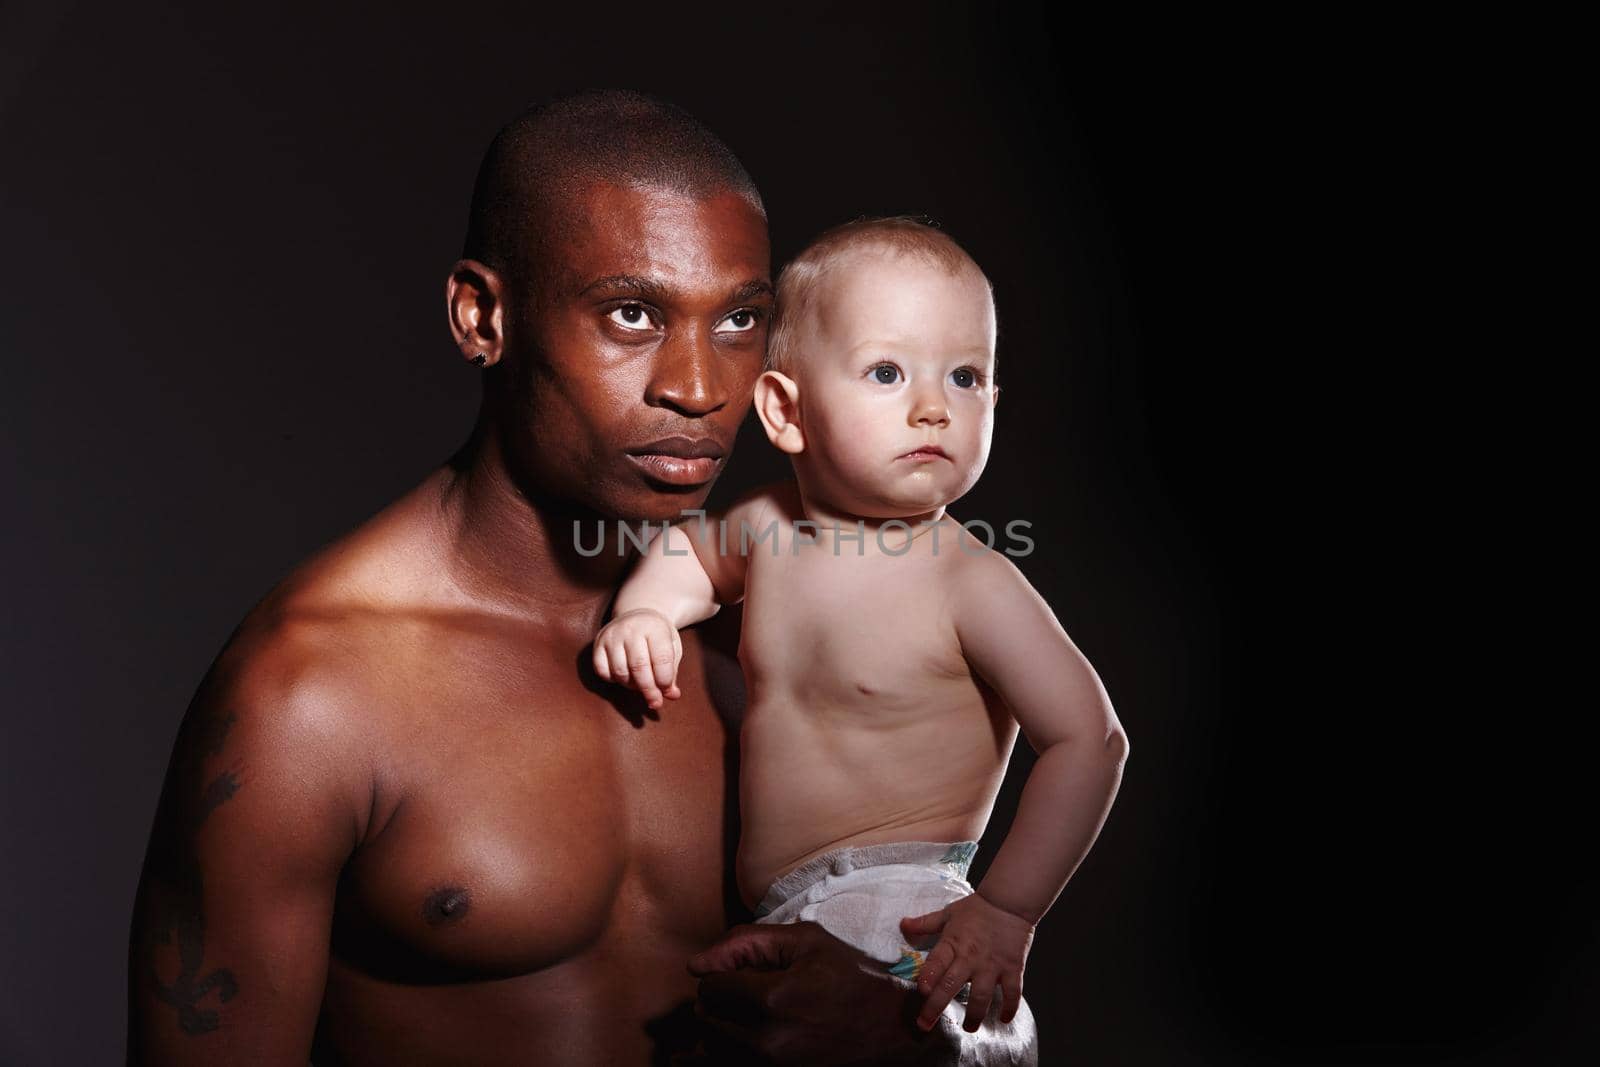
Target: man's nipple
447 905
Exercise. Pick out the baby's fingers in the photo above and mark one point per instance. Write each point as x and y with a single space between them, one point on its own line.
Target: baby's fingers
641 670
610 657
940 991
918 926
664 662
1010 996
934 964
672 690
978 1000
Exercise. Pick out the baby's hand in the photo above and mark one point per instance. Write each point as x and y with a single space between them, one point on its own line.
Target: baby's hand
978 942
641 650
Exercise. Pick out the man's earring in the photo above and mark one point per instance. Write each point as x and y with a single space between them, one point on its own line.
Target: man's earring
480 359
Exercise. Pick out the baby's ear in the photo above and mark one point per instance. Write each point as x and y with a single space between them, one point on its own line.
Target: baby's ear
778 406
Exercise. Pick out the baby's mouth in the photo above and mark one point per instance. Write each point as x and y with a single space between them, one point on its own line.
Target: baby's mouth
926 454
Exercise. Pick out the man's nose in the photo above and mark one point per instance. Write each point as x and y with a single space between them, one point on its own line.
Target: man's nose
688 375
928 407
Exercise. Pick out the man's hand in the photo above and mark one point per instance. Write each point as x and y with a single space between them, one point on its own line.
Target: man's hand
795 994
980 943
641 649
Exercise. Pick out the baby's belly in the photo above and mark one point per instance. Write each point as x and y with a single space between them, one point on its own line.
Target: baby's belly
816 779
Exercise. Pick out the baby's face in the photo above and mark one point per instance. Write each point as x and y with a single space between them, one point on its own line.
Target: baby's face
895 371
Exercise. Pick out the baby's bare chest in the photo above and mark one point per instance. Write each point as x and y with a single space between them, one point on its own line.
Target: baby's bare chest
846 627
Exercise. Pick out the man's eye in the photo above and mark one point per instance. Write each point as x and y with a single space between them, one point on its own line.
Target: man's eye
631 317
886 373
741 321
964 377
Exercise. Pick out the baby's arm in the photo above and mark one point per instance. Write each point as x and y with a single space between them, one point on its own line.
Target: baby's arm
683 578
1012 640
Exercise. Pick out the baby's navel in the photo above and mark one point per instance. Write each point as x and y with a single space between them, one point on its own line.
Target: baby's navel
446 905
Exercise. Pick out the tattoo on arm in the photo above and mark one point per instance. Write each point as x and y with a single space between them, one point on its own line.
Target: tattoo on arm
177 915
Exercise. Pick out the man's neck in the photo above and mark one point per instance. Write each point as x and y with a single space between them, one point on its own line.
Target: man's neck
516 552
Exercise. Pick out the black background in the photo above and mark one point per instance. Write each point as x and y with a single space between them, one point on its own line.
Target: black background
225 240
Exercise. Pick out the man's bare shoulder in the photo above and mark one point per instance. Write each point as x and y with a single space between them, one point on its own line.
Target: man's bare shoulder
307 680
292 690
393 563
315 647
294 658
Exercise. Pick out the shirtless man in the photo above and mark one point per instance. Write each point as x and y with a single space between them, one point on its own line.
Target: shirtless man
401 824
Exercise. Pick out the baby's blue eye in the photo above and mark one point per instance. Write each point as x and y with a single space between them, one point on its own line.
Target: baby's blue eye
964 377
886 373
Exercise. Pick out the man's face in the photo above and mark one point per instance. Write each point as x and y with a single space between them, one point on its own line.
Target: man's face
638 356
896 377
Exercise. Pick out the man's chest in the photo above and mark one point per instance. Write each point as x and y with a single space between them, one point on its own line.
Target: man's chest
523 820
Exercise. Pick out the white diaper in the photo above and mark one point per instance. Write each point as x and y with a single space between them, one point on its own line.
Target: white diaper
860 894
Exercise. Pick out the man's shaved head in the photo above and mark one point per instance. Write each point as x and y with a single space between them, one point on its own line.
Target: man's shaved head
534 165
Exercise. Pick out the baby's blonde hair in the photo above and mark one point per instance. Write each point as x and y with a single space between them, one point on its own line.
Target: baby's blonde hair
797 285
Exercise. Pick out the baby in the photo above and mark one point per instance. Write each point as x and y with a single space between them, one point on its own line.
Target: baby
889 655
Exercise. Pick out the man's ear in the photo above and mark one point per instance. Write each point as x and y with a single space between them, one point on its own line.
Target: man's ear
475 300
777 402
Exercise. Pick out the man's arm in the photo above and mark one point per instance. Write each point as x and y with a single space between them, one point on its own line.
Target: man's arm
229 949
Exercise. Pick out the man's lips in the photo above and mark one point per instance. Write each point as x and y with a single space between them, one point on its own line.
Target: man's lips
679 460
